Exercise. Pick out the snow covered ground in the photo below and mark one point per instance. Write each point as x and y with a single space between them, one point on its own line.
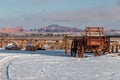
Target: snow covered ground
55 65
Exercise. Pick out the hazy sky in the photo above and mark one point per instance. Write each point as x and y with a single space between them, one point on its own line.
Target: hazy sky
71 13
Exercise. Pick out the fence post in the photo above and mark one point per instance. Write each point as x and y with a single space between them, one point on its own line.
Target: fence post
66 45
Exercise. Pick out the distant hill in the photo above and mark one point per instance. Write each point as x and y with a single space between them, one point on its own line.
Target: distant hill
12 30
57 28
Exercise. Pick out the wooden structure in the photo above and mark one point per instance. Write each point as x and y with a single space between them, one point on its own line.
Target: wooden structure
114 43
58 42
93 41
37 43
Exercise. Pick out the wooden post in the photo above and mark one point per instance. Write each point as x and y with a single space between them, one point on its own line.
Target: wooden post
2 41
57 44
108 39
22 44
44 42
116 49
112 50
66 46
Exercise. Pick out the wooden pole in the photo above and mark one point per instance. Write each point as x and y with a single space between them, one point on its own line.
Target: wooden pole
116 49
2 41
22 44
66 46
112 50
108 39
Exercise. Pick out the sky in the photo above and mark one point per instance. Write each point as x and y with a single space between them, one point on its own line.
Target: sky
69 13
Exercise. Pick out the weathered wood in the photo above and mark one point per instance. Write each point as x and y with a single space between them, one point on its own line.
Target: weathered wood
24 40
112 50
116 49
66 46
94 39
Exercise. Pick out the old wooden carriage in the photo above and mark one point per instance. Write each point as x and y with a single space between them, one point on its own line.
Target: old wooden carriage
93 41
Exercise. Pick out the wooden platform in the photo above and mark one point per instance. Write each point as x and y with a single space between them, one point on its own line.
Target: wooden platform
114 42
57 42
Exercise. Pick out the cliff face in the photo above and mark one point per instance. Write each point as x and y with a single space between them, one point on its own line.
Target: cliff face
12 30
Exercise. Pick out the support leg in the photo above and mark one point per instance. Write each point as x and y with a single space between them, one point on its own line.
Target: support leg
96 52
81 52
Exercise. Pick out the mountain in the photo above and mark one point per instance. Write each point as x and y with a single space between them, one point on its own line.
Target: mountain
20 29
58 28
12 30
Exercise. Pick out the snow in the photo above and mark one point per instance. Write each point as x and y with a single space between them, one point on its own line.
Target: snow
9 45
55 65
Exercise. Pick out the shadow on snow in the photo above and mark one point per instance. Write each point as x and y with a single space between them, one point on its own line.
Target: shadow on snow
42 52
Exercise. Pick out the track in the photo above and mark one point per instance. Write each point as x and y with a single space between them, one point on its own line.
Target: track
3 63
